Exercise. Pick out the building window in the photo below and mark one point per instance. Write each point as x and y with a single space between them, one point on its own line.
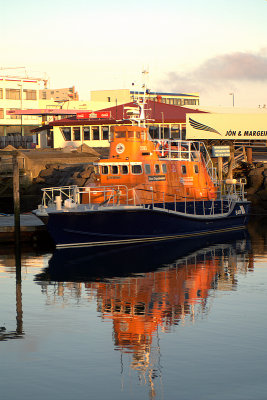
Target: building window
105 132
95 132
165 132
86 133
196 169
1 113
154 132
147 169
13 94
137 169
66 132
30 94
1 93
183 169
175 132
164 168
77 133
108 99
14 116
44 95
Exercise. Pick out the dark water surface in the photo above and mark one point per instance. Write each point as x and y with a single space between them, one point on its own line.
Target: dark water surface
181 321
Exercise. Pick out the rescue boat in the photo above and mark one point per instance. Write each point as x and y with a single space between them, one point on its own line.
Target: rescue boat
145 191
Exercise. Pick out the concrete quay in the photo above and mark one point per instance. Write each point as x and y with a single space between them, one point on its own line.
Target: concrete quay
30 227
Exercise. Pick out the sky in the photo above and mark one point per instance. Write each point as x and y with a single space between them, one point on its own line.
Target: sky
213 47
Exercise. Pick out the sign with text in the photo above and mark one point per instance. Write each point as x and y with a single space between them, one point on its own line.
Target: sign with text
93 114
220 151
226 126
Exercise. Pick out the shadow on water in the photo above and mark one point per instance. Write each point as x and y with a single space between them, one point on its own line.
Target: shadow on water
90 264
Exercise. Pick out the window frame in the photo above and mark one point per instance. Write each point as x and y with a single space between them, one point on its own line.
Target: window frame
147 166
136 165
157 168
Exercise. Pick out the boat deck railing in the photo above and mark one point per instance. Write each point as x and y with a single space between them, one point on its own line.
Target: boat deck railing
69 197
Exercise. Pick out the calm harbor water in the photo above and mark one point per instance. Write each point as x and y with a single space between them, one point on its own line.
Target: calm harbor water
180 321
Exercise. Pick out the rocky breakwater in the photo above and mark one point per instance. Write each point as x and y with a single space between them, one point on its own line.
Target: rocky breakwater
62 175
256 188
48 168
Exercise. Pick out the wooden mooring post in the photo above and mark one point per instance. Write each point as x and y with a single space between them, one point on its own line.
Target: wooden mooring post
16 194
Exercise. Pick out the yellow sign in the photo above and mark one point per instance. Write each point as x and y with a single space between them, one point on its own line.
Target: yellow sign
226 126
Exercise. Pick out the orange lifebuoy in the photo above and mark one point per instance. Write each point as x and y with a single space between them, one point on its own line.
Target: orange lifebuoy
162 148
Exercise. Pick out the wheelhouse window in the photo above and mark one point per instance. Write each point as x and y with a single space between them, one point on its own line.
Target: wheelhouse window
104 169
157 168
86 133
77 133
134 135
147 169
66 132
183 169
124 169
137 169
114 169
164 168
196 170
95 130
119 135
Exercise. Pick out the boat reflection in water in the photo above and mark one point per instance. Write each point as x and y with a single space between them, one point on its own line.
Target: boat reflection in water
146 288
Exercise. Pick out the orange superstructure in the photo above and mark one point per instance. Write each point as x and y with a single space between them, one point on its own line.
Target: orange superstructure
155 171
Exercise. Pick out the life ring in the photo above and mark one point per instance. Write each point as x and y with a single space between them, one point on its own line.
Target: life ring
162 148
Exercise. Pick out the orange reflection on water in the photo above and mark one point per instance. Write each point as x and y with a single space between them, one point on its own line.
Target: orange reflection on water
138 305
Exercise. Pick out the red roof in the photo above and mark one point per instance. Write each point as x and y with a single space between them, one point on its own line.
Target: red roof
156 112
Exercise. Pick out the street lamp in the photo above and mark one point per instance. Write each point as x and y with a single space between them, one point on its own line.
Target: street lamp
232 94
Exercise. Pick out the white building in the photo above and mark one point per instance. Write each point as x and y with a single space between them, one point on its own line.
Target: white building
18 93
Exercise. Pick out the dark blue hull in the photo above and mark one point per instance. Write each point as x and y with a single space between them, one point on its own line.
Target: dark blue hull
134 225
